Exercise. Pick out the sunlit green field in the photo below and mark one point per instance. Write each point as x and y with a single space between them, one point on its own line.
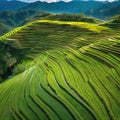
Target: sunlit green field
72 72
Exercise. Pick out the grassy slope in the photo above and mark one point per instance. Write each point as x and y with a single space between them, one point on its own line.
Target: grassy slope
88 26
74 74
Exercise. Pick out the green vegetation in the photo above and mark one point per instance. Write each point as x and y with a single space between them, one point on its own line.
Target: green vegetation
114 23
70 71
10 20
9 57
4 28
80 25
99 9
73 17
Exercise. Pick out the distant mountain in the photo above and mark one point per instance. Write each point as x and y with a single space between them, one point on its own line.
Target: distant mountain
109 9
13 18
11 5
102 10
68 7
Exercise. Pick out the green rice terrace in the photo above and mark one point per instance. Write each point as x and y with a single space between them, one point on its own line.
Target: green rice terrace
66 71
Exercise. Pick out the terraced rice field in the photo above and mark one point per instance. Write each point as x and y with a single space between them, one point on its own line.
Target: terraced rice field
73 73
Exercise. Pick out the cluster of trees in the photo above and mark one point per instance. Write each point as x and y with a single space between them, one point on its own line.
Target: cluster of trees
72 17
8 59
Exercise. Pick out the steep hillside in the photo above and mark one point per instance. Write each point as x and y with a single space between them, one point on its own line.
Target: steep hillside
10 19
16 18
11 5
71 73
114 23
4 28
106 11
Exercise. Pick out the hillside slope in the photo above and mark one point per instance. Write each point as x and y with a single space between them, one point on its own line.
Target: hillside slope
114 23
11 19
4 28
106 11
72 73
11 5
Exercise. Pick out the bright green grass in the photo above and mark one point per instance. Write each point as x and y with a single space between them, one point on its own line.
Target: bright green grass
89 26
73 74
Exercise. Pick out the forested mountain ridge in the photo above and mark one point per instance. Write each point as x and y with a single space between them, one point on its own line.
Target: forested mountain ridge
11 5
12 19
102 10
